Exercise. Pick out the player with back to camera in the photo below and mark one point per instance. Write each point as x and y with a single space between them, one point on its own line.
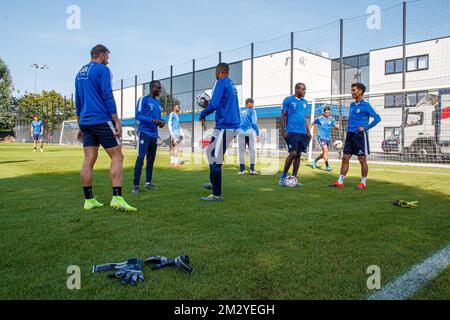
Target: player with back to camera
357 140
148 116
37 131
247 131
99 125
324 123
295 130
224 101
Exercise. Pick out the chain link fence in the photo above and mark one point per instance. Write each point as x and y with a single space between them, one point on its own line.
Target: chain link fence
400 53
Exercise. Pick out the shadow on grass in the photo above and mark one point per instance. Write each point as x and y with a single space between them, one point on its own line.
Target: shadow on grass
262 242
15 161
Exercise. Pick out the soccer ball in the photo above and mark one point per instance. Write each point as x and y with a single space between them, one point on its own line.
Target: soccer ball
290 182
203 99
338 144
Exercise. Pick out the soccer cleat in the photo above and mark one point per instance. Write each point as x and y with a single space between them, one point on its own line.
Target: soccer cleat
241 173
35 150
253 173
299 184
281 182
207 186
135 189
212 198
329 168
361 186
42 150
90 204
119 203
337 185
151 186
314 164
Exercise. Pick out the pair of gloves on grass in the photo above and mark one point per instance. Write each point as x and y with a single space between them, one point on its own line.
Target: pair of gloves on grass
131 270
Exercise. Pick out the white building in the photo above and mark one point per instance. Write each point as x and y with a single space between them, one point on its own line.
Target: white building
427 65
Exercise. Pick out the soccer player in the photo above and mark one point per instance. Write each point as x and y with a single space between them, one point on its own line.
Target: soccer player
247 131
357 140
176 135
37 131
99 125
295 130
224 102
324 124
148 115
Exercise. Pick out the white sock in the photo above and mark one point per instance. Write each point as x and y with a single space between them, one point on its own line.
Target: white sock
341 179
171 160
175 160
364 180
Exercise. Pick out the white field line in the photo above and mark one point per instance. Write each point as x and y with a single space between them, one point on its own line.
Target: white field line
412 281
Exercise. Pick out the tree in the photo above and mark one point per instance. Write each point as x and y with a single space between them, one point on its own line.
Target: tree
8 109
49 105
165 102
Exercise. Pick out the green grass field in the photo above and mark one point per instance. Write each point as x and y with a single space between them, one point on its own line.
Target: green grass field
262 242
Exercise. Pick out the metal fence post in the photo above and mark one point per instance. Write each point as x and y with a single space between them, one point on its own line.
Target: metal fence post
404 47
220 56
402 128
341 73
121 101
71 106
252 69
153 75
65 108
193 105
169 107
291 90
135 104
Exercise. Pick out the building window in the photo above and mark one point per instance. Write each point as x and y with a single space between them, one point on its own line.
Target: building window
417 63
394 66
403 100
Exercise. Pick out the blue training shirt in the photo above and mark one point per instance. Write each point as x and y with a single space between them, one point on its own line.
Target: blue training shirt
94 96
174 125
249 121
324 127
296 113
360 114
148 109
224 102
37 126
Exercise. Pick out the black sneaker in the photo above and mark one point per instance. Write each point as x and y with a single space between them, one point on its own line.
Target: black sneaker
135 189
213 198
151 186
208 186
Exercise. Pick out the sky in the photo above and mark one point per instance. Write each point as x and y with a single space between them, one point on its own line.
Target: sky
145 35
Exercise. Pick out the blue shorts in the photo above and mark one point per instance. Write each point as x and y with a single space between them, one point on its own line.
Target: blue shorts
36 136
102 134
357 143
298 142
324 142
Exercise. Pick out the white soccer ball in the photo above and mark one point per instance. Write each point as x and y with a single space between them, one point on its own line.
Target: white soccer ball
203 99
338 144
290 182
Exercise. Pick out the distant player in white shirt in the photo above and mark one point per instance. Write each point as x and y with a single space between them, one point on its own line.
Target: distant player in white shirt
176 135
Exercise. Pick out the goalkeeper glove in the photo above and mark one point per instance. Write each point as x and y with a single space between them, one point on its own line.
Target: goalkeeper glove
182 262
130 271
